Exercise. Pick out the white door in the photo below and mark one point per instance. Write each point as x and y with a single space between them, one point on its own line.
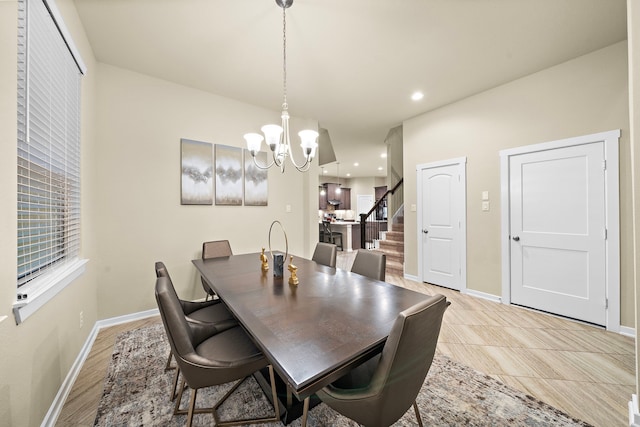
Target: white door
442 219
557 220
365 203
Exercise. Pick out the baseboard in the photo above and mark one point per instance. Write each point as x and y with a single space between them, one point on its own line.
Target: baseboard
65 388
53 413
630 332
483 295
411 277
127 318
634 416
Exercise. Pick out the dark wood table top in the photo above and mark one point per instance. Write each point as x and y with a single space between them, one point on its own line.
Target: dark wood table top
316 331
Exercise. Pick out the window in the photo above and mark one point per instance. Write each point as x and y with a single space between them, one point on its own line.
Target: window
48 149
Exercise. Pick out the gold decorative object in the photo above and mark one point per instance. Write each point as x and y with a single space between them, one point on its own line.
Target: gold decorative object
265 262
293 280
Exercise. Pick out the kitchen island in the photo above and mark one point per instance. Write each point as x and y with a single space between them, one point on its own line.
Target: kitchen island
350 230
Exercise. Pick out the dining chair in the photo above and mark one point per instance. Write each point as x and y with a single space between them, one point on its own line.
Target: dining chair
325 254
209 312
207 356
380 391
370 263
214 249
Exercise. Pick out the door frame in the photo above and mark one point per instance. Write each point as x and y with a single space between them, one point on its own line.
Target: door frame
461 162
612 215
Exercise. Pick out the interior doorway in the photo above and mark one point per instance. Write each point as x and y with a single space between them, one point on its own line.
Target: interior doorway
559 228
441 221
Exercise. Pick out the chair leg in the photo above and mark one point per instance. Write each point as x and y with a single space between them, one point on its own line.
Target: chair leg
192 406
415 408
275 417
168 366
176 408
175 383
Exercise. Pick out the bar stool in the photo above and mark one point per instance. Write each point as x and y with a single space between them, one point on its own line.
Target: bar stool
329 236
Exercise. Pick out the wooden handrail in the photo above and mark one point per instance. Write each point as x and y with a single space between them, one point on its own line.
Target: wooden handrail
377 204
364 217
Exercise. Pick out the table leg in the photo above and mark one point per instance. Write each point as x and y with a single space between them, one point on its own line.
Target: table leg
305 412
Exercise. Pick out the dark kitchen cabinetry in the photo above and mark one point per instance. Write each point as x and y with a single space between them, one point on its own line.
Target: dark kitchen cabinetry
381 211
340 200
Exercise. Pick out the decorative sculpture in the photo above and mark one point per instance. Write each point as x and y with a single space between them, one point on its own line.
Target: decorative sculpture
265 262
293 280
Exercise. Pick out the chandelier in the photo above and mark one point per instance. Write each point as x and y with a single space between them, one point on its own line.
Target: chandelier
277 137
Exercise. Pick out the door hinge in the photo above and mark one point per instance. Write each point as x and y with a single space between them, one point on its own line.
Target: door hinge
604 165
605 234
606 303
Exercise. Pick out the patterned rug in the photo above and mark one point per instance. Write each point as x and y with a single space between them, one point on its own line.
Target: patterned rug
136 393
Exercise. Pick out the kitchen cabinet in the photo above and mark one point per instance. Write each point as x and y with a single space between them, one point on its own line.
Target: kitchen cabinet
343 198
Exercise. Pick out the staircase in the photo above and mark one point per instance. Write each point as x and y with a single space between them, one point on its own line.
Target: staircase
393 247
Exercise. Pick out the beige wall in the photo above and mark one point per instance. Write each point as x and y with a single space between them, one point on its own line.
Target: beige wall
583 96
36 355
140 219
131 212
633 28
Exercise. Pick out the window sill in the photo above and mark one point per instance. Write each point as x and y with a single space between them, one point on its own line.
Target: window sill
43 289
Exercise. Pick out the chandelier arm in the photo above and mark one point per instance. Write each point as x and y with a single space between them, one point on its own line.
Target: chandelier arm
259 166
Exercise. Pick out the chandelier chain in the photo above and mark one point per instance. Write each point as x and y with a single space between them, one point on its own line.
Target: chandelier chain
284 58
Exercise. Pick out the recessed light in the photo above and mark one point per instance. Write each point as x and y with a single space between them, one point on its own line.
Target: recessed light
324 171
417 96
380 168
383 155
356 164
348 174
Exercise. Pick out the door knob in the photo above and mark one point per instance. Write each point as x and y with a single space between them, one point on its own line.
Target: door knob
425 231
516 238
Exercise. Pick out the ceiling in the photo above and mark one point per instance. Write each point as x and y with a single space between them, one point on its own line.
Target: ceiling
351 64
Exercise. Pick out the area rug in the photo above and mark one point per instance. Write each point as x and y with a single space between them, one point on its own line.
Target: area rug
137 388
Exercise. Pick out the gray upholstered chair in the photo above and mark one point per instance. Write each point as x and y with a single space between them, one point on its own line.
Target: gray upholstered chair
214 249
208 356
208 312
325 254
380 391
370 263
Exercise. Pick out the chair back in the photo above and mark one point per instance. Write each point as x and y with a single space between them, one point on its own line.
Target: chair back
179 334
370 263
216 249
325 254
161 270
407 357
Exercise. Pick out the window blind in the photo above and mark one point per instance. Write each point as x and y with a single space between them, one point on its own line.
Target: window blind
48 145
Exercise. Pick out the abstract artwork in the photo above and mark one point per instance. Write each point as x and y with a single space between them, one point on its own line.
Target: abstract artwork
228 175
255 180
197 172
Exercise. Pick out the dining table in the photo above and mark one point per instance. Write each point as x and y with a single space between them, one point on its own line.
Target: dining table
314 332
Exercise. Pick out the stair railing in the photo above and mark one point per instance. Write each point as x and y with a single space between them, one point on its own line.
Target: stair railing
370 228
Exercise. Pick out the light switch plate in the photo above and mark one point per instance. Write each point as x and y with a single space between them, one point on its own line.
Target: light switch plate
288 208
485 195
485 206
413 208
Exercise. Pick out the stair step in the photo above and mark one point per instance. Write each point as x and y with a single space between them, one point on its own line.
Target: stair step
392 245
397 227
395 268
397 236
394 256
